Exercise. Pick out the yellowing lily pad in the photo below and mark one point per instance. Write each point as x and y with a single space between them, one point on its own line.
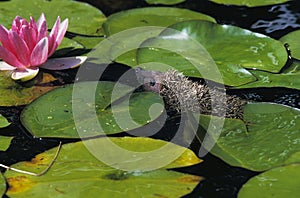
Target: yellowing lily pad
250 3
267 138
275 183
95 110
292 39
52 9
14 94
77 172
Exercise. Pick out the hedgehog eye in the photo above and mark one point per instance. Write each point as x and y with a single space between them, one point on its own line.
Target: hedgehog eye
152 83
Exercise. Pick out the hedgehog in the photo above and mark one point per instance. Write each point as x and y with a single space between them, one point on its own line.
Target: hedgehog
182 94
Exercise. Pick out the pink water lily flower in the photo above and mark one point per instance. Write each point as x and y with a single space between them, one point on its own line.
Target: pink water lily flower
27 45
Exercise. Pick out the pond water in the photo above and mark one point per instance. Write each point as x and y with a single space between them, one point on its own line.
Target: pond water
221 180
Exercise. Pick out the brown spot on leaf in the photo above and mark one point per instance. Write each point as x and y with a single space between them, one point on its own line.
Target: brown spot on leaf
19 184
190 179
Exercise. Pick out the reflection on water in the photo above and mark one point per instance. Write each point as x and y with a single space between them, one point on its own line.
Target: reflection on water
283 21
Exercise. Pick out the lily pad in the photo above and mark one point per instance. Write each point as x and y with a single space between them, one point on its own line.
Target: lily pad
164 2
52 9
292 39
143 17
78 172
4 143
289 78
3 122
250 3
276 183
267 138
2 185
14 94
241 49
52 115
67 47
151 16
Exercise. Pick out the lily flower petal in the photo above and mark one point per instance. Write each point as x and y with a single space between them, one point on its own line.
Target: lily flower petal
39 54
20 47
25 75
62 31
4 38
63 63
4 66
10 58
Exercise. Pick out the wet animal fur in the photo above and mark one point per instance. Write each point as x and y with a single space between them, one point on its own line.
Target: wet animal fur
181 94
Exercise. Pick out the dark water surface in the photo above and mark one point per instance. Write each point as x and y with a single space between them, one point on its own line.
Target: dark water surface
221 180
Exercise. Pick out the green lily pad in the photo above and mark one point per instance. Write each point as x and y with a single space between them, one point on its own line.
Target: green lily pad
67 47
4 143
164 2
289 78
14 94
3 122
63 8
241 49
292 39
267 138
276 183
52 115
250 3
77 172
152 16
145 17
2 185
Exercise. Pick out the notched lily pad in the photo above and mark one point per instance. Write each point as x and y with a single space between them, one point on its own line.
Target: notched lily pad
292 39
289 78
250 3
14 94
276 183
84 174
251 51
267 138
52 115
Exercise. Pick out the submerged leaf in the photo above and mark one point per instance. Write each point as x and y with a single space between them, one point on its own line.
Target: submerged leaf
52 115
77 172
267 138
275 183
